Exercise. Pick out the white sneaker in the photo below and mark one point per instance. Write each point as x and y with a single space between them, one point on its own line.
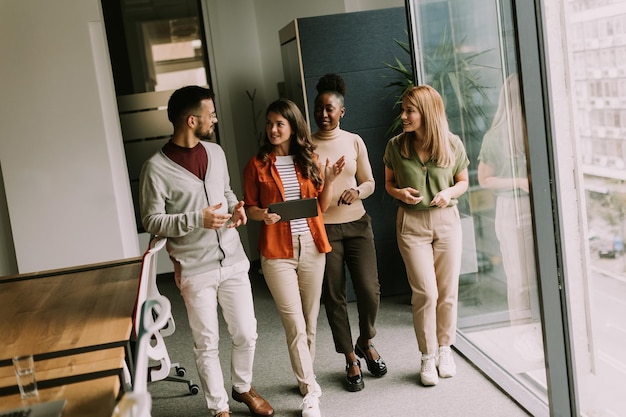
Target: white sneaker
317 391
446 365
428 372
311 406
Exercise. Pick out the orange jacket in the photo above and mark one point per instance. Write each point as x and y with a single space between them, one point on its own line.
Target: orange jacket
262 186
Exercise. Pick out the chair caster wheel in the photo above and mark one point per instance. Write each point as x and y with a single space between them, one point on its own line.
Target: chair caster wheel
180 371
194 389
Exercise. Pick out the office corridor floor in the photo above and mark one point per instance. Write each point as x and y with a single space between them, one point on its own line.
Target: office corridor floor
397 394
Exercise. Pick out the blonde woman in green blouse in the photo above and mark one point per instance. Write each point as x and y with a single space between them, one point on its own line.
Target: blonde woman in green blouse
426 172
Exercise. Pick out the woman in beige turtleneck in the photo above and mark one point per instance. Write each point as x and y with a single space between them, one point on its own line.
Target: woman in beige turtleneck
349 230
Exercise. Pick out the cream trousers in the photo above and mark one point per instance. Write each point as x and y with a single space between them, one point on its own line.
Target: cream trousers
230 288
296 286
431 243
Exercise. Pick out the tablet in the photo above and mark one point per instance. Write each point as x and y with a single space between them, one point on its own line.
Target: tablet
294 209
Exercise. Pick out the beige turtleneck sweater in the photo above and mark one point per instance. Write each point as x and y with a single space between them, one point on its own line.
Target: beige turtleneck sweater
356 174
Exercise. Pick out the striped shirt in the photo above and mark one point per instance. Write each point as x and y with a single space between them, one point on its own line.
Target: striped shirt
287 172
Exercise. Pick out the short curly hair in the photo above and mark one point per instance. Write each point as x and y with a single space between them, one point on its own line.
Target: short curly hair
331 83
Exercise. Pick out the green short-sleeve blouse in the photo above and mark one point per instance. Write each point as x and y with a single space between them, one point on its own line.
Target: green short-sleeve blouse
427 177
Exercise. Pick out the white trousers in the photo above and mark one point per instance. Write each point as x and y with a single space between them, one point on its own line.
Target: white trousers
230 288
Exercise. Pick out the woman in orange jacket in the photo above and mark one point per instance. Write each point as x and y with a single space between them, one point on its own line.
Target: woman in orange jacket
292 252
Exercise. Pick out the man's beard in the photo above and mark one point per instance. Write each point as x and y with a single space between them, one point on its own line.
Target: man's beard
206 136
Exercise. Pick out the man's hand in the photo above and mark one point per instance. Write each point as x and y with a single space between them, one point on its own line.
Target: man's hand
239 216
213 220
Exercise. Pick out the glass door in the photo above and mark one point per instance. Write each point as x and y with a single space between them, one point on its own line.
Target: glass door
467 50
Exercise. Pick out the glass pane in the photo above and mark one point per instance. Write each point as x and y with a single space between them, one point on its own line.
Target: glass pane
468 53
155 46
174 53
596 40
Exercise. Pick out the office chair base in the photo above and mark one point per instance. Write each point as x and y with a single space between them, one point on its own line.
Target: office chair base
194 389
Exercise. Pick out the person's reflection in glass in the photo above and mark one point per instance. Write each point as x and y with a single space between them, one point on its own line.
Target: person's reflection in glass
502 168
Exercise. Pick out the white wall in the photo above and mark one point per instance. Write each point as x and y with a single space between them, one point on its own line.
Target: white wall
8 263
61 154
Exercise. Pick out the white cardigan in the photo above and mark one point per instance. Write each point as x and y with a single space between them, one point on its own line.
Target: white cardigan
171 202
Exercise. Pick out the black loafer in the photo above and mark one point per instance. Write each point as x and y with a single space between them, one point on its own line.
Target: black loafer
354 383
377 367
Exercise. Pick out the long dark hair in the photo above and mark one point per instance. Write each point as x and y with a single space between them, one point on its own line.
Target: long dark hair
300 145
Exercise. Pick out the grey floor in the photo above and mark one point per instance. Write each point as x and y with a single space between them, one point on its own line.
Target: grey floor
398 393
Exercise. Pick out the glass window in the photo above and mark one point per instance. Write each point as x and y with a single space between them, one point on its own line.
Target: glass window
583 116
499 309
593 56
579 36
592 89
468 53
596 118
602 26
606 88
591 30
620 56
605 58
601 378
159 47
609 118
618 25
174 53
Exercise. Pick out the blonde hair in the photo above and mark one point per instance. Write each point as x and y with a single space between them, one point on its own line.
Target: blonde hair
436 131
509 117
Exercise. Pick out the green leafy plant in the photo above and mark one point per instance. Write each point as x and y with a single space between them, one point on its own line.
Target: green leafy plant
401 85
455 76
